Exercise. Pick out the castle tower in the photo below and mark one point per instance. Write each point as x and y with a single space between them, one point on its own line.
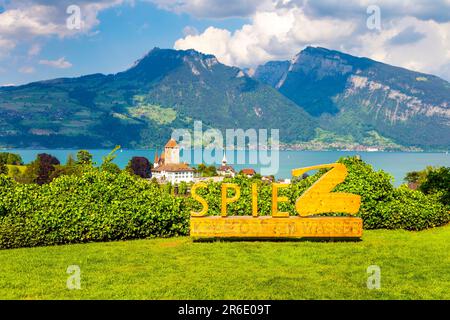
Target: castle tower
172 152
156 160
161 159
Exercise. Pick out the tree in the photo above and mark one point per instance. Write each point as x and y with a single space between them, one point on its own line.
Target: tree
437 181
297 179
206 171
140 166
70 168
108 165
70 162
10 158
40 170
47 165
412 177
3 168
84 158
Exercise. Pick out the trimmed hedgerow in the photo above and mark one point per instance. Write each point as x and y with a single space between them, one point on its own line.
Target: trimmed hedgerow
98 206
412 210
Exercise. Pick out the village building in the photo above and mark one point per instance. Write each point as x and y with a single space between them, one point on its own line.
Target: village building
168 167
268 178
226 170
248 172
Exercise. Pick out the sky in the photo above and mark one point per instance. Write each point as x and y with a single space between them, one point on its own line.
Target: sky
45 39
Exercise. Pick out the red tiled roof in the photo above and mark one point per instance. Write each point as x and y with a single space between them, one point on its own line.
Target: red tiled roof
226 168
171 144
248 171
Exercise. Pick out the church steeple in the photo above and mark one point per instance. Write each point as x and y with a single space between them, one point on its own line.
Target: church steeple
224 160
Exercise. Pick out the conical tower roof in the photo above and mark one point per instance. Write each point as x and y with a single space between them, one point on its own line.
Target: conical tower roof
171 144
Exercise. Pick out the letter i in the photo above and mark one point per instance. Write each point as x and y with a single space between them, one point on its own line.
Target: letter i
254 199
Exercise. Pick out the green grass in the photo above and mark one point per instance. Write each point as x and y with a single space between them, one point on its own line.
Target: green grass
414 265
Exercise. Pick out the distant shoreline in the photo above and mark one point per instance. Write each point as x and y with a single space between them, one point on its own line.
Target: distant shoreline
4 149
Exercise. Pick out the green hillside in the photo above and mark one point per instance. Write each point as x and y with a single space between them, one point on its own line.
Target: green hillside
140 107
355 97
357 100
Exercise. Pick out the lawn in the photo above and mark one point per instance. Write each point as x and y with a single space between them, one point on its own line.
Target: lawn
414 265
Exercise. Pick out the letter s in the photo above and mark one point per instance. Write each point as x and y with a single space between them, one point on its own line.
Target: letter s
197 197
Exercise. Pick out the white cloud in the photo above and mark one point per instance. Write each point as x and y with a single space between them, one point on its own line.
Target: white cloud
274 34
417 38
212 8
25 20
437 10
60 63
27 70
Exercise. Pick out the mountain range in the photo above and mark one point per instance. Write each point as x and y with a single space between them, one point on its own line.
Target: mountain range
320 99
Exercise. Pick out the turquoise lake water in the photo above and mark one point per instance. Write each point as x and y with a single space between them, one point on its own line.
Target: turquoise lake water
395 163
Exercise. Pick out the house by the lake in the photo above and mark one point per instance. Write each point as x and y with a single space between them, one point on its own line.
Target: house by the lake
226 170
249 172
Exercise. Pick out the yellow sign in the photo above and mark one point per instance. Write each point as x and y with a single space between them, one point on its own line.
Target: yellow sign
270 227
319 198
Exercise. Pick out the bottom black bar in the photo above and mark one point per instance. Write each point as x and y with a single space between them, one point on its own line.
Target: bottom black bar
228 309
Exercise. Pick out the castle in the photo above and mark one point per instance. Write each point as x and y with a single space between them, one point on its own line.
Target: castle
168 167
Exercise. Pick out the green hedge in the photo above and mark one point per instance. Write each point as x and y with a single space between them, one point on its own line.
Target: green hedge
103 206
98 206
412 210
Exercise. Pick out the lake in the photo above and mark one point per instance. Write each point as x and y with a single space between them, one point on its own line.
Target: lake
395 163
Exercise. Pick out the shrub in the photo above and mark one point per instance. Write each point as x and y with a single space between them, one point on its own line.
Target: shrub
3 168
110 167
182 188
374 187
98 206
437 180
412 210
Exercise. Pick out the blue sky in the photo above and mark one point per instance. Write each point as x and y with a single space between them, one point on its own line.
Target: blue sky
124 34
36 44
